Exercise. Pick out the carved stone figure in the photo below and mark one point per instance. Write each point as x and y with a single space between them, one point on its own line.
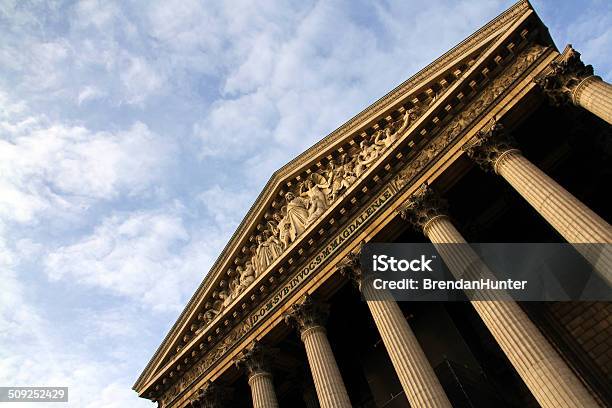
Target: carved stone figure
265 254
343 177
349 175
282 229
410 116
317 202
247 275
224 295
249 269
297 214
209 314
373 151
384 138
273 241
361 162
235 287
335 176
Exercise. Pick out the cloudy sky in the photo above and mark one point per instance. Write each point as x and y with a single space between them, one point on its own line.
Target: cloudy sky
135 135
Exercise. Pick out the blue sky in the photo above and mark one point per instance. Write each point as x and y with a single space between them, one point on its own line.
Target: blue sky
135 135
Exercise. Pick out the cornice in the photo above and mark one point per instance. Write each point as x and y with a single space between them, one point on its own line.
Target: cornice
364 118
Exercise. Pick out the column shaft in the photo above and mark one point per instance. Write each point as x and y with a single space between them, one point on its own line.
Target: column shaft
595 95
325 373
571 218
416 375
262 390
552 382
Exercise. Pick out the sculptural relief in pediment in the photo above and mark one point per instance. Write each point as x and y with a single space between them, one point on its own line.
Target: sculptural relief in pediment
302 206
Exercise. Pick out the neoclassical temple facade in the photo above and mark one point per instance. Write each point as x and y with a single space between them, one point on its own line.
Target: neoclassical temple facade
504 138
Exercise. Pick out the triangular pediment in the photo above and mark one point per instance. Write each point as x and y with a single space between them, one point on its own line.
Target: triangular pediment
299 197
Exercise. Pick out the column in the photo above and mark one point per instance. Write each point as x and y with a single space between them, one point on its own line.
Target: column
568 80
210 396
416 375
309 317
552 382
256 361
493 149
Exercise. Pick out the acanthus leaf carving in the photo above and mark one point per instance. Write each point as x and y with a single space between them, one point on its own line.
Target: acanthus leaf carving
563 76
489 145
423 206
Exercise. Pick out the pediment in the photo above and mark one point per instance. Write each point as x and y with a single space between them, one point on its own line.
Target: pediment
297 203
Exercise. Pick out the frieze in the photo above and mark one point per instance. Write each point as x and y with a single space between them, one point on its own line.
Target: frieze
469 114
398 183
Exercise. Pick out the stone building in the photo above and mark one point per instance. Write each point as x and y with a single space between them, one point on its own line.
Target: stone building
501 139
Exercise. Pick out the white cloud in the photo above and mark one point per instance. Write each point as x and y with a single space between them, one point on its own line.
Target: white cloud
100 14
89 93
58 167
31 353
46 62
237 127
225 206
140 80
147 256
13 310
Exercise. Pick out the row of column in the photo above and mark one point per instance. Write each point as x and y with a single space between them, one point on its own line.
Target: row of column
543 370
495 150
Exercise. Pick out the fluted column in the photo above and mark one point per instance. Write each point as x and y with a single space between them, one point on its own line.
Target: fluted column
552 382
594 95
416 375
568 80
256 361
309 317
493 149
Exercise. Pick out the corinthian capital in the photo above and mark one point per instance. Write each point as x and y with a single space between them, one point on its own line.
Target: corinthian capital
256 359
210 396
562 77
350 267
423 206
307 314
489 144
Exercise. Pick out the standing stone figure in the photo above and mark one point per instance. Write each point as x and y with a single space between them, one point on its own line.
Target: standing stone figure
317 202
249 269
274 243
297 214
264 254
281 229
